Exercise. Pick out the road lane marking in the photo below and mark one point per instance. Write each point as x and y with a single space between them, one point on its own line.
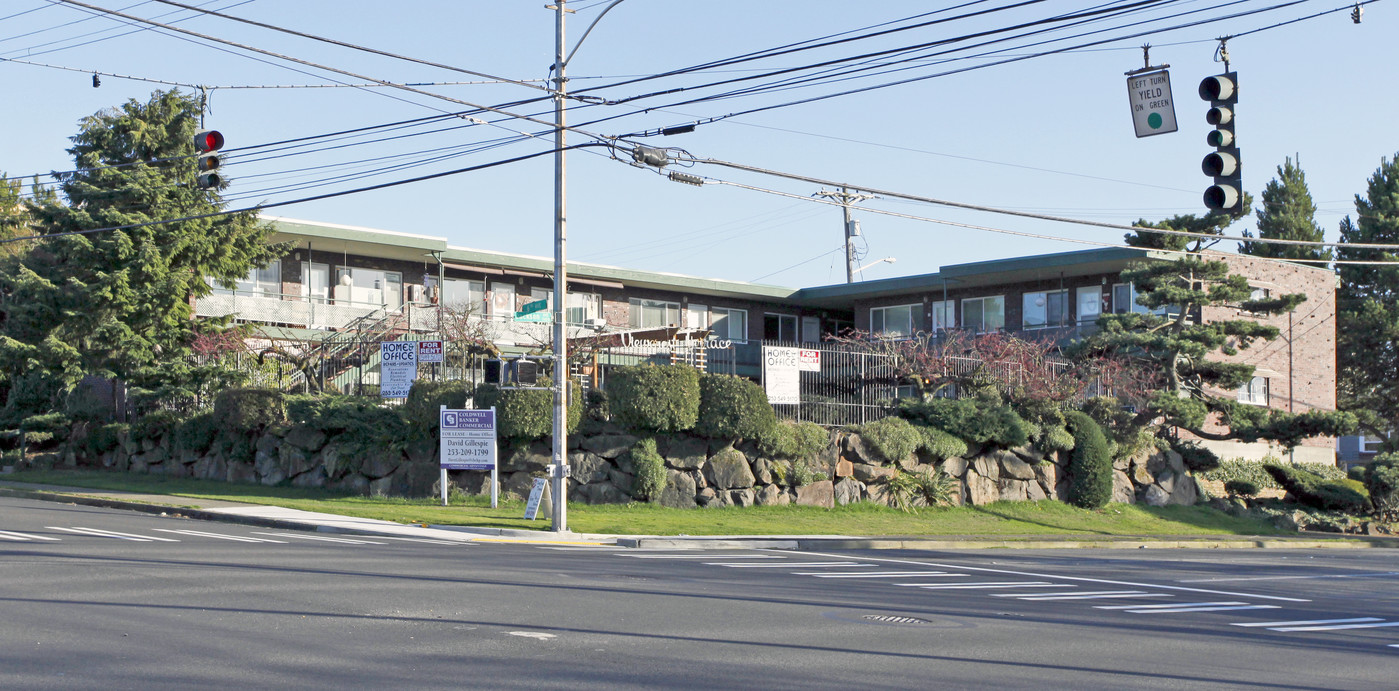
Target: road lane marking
1100 597
1173 605
884 574
788 565
976 586
1356 620
703 556
538 635
1375 574
1188 610
113 534
1073 593
1080 579
1338 627
24 536
221 536
322 538
426 540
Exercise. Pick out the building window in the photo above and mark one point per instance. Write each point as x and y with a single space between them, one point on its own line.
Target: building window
731 324
261 282
369 287
984 314
1255 392
811 329
464 296
651 314
315 282
1090 304
583 309
779 327
1369 444
944 315
1045 309
898 321
1124 300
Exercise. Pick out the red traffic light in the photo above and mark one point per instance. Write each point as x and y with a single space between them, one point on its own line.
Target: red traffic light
208 140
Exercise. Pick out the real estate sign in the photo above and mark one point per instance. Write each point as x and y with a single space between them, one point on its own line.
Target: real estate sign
782 368
468 439
398 367
429 351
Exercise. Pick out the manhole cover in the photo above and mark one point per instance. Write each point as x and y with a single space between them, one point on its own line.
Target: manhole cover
891 619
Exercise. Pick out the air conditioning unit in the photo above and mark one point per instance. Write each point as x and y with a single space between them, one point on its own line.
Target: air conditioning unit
597 323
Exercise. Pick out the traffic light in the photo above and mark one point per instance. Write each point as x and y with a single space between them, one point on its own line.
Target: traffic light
1227 192
207 143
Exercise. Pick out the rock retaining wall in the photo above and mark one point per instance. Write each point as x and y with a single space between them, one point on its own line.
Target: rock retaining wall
700 472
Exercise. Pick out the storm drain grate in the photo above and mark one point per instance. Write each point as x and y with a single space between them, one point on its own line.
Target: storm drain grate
891 619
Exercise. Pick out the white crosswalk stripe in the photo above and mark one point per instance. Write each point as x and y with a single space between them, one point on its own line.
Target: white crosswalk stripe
805 565
974 586
1100 595
703 556
1188 610
885 574
322 538
220 536
1173 605
1315 622
24 537
1338 627
112 534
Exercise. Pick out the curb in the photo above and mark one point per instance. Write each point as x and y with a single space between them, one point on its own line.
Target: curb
162 510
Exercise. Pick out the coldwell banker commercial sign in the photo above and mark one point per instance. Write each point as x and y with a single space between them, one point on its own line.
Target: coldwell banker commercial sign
468 439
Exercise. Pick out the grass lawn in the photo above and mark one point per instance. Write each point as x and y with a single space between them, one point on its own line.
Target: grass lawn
1000 519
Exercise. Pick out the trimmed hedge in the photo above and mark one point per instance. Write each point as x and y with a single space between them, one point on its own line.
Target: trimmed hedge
788 439
1241 488
196 433
425 400
982 420
732 408
156 424
1382 481
1090 466
650 471
1311 489
246 410
892 438
654 398
1246 471
942 446
524 413
1197 458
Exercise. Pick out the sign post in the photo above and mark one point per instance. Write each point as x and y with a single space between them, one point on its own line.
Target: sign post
468 442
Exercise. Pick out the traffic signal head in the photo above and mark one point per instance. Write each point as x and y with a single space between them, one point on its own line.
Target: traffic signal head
1226 194
207 143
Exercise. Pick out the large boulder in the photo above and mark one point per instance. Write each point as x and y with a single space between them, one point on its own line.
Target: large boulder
729 469
306 438
1123 491
821 493
1155 496
981 489
679 492
955 466
683 452
1186 491
853 449
736 497
867 473
772 495
587 468
380 463
1010 489
609 446
987 467
848 491
1012 466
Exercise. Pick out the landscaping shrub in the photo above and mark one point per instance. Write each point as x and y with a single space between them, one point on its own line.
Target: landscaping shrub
105 438
941 445
933 488
595 403
1197 458
1356 472
523 413
41 429
984 420
654 398
156 424
246 410
650 471
1311 489
892 438
732 408
1382 481
196 433
358 424
422 409
1090 466
788 439
1241 488
1239 469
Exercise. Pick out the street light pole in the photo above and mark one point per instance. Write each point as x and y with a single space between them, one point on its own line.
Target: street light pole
559 468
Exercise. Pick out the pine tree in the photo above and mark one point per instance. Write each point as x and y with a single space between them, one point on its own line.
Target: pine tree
1212 223
1287 213
116 303
1368 310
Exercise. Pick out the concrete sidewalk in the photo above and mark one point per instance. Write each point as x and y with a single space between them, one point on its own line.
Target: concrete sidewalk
295 519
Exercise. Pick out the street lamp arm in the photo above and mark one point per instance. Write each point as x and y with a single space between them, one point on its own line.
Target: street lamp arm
587 31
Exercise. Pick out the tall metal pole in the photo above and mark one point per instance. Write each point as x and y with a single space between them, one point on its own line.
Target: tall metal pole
849 245
559 468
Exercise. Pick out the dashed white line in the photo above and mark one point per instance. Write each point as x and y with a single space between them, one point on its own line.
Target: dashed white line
976 586
805 565
1188 610
112 534
322 538
1357 620
1072 593
1094 596
1338 627
703 556
885 574
24 536
1292 578
426 540
221 536
1173 605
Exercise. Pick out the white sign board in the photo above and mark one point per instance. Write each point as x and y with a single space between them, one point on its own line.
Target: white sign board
1153 110
809 360
782 374
398 367
536 493
468 440
429 351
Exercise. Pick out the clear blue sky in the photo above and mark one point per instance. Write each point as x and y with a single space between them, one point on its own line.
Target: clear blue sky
1050 134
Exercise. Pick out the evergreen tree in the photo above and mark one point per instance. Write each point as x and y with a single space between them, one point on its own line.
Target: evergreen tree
116 303
15 217
1368 310
1172 341
1212 223
1287 213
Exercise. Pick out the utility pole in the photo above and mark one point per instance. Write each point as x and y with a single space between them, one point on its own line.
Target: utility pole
845 198
558 470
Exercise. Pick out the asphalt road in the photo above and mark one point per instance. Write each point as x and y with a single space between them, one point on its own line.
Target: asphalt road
95 598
